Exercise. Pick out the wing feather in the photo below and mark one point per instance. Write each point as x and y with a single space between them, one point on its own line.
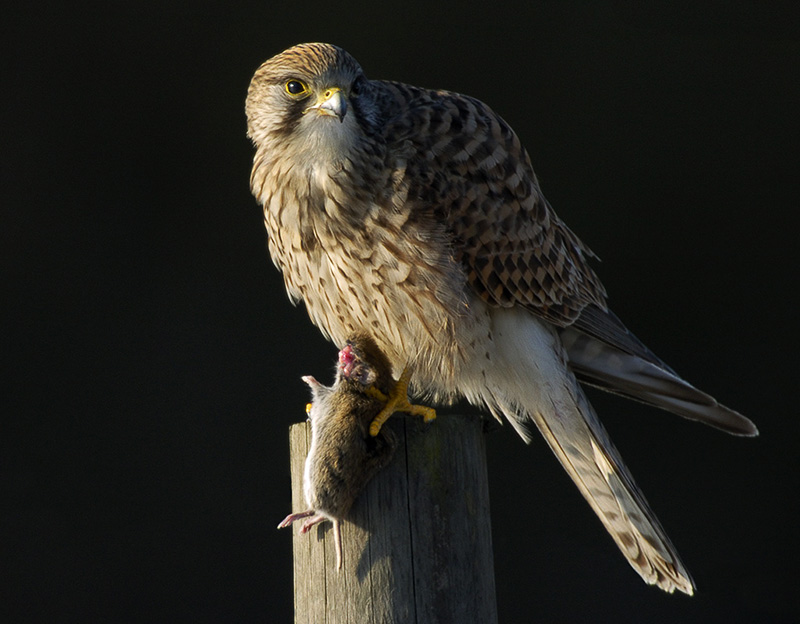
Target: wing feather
473 171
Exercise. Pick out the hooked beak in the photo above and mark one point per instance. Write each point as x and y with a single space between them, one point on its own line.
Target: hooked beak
333 103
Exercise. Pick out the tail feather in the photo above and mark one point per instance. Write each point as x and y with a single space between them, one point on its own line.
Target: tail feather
600 364
530 384
596 467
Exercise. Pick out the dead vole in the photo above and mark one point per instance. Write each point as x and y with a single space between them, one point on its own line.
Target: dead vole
344 456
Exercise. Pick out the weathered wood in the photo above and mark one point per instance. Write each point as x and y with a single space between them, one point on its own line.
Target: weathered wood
417 546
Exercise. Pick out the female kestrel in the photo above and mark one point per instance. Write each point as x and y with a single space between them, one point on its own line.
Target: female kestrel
415 215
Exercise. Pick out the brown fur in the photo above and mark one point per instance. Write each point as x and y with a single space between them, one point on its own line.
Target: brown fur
343 456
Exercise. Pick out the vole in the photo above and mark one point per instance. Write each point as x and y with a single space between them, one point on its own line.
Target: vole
344 454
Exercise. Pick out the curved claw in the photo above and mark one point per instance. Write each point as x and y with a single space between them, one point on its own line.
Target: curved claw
397 401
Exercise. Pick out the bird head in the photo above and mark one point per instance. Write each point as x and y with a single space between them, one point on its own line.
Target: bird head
313 98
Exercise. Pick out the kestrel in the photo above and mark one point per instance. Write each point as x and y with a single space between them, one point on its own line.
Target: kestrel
415 215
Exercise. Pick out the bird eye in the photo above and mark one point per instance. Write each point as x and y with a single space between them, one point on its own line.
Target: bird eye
295 87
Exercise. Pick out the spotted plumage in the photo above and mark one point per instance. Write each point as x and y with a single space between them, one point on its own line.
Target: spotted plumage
415 215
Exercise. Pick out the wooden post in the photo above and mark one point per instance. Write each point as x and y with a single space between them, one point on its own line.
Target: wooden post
418 544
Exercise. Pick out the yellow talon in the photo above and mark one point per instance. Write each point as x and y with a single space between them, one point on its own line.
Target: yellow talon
376 394
428 413
308 409
397 401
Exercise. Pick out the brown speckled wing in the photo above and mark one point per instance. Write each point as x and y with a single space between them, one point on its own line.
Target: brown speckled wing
477 175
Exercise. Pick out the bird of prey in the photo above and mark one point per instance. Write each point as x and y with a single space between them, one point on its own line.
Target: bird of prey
415 215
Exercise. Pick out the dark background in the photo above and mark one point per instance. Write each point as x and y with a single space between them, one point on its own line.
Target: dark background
152 362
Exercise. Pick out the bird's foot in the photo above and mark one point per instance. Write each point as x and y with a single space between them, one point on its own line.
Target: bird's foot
397 401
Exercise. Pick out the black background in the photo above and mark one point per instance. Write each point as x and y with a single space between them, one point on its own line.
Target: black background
152 362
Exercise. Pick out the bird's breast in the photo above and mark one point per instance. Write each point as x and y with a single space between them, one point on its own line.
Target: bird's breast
363 261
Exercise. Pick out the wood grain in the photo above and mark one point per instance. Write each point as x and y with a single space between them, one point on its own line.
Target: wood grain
417 546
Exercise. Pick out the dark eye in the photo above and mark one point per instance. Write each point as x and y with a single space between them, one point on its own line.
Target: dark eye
295 87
